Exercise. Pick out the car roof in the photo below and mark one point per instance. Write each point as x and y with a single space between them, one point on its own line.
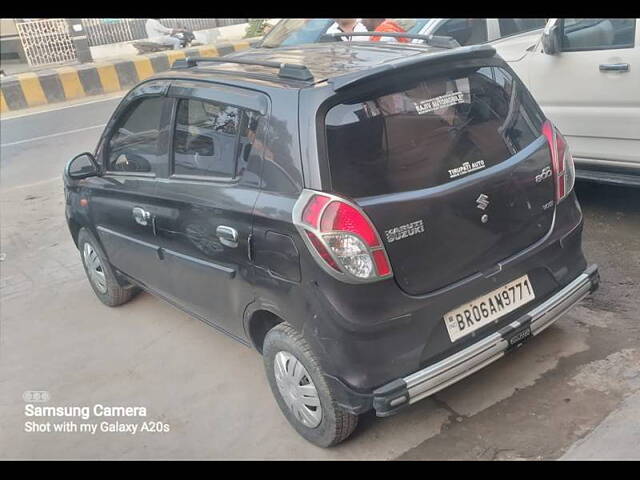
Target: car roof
325 61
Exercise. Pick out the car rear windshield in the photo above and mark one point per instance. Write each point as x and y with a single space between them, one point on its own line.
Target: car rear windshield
435 131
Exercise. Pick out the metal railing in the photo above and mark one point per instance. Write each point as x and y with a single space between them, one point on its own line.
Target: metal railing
46 42
104 31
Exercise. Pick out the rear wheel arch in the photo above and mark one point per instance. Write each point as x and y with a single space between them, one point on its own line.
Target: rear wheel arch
258 324
315 414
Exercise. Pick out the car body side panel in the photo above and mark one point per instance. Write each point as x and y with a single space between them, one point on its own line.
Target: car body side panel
210 277
131 246
515 47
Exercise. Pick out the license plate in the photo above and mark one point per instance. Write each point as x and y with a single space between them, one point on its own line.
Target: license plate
488 308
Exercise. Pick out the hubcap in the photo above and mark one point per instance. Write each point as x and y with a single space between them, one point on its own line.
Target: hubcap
94 268
297 389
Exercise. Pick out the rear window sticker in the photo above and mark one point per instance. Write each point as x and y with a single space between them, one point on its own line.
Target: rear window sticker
466 168
438 103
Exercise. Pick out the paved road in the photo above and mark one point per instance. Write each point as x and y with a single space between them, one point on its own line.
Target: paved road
572 392
36 146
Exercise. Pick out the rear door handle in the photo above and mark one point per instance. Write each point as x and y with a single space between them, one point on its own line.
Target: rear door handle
614 67
141 216
227 235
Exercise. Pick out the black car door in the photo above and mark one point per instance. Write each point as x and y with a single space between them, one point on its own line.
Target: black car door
124 200
205 221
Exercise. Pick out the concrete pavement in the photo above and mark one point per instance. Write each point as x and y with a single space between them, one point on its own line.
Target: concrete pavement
571 390
36 146
620 429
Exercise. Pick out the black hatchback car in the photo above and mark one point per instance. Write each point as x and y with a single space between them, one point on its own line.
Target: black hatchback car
378 220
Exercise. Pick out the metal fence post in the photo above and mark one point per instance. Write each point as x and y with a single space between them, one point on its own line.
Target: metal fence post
80 41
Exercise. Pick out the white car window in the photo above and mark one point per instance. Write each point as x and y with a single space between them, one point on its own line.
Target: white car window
514 26
597 33
466 31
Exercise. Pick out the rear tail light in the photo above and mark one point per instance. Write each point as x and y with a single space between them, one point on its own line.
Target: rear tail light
341 238
564 172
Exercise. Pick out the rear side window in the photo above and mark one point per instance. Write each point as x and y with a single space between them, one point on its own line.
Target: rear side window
433 132
205 139
466 31
213 139
513 26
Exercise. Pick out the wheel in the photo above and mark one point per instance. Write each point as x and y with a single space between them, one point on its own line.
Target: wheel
298 384
100 274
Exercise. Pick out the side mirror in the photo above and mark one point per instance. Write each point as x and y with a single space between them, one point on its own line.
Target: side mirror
82 166
551 39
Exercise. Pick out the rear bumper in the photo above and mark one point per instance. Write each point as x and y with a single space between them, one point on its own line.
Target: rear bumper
399 393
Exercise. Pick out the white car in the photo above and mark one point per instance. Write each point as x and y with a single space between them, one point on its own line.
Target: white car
466 31
585 74
512 35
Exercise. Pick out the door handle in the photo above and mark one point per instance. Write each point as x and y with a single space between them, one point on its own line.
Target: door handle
614 67
141 216
228 236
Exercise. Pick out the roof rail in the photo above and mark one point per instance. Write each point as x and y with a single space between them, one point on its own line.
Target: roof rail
286 70
439 41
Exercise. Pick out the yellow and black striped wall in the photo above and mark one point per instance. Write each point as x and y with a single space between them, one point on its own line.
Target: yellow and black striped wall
60 84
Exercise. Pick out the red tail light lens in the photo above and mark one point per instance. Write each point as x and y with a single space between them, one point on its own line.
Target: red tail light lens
382 264
342 237
561 161
342 217
312 210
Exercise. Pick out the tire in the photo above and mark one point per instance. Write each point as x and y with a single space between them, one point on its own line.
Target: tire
284 347
105 286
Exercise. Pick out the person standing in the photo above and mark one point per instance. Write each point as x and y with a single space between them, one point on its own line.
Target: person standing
348 25
384 25
158 33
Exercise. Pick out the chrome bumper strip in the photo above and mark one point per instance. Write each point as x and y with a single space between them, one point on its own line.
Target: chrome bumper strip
423 383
